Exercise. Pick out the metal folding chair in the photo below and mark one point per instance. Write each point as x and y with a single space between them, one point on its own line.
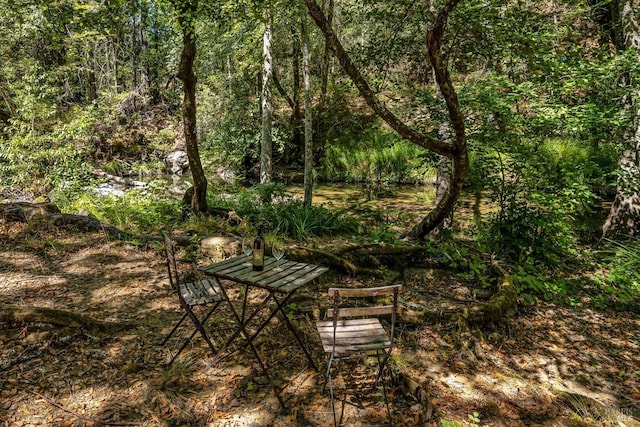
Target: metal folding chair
205 293
357 332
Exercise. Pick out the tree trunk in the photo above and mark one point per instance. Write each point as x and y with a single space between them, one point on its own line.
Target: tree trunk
297 139
624 217
143 86
456 151
186 10
308 113
135 50
326 58
443 187
320 124
443 175
266 147
89 62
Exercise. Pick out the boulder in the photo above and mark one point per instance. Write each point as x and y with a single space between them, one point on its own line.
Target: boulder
177 162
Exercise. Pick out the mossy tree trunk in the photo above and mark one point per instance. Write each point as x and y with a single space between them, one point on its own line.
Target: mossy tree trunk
187 11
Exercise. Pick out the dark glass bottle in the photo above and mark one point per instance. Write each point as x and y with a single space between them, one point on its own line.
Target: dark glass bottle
258 252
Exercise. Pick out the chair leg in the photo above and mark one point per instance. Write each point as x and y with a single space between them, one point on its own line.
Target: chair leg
184 316
199 328
382 364
333 402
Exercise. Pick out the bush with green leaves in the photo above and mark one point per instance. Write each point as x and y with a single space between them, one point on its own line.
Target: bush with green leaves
538 189
138 210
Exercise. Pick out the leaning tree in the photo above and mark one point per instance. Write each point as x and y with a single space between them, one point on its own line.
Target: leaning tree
454 148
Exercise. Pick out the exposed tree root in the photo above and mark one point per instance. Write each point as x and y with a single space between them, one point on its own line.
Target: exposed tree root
29 314
388 263
500 305
413 388
50 214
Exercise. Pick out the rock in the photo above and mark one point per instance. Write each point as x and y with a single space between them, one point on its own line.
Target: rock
178 162
219 247
226 174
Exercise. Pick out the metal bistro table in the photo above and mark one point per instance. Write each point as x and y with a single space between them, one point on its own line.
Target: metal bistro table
281 279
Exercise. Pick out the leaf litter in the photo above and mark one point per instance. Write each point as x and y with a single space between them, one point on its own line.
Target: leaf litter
547 366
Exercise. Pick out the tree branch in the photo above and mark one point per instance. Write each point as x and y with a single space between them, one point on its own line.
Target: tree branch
457 151
365 90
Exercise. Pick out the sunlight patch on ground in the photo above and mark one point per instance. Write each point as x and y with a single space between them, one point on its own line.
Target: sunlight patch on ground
20 259
461 386
45 288
259 415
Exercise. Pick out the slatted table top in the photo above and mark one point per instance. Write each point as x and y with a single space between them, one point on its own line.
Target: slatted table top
278 275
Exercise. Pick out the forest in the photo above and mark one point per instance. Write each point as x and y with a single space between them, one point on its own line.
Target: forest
484 155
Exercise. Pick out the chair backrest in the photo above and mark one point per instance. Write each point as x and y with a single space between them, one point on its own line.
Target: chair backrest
342 309
339 311
172 265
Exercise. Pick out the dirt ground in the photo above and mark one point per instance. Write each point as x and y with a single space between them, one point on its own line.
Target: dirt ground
546 366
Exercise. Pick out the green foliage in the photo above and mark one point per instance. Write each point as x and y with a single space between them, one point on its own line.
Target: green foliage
470 263
621 283
533 284
374 156
140 211
539 190
473 418
267 204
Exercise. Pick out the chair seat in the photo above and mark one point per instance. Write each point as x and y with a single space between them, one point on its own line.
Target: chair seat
353 335
201 292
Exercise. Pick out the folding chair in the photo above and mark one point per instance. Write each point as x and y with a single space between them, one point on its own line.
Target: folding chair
203 293
356 332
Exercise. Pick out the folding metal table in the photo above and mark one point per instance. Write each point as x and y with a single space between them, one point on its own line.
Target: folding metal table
281 279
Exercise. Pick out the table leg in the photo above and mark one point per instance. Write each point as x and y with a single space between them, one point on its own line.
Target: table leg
279 309
243 321
287 322
249 341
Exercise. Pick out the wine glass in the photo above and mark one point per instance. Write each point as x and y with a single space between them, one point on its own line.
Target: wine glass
277 248
247 245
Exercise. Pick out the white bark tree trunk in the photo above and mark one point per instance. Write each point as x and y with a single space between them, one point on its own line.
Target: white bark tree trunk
266 146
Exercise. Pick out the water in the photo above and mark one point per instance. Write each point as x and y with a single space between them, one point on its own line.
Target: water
349 196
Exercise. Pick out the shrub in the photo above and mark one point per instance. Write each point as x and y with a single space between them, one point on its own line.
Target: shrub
621 284
136 211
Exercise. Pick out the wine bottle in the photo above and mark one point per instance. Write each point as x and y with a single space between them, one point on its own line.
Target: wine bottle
258 251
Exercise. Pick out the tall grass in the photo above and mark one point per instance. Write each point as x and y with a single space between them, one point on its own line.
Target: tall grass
375 157
269 205
302 222
621 283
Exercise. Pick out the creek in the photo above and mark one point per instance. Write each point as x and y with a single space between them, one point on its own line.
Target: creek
400 204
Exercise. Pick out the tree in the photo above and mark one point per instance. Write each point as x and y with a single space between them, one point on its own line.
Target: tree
624 217
456 150
186 11
308 113
266 146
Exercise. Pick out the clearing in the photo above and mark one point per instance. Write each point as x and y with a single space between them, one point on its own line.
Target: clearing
546 366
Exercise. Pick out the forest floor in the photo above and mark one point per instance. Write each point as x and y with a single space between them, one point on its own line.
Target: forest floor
548 365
